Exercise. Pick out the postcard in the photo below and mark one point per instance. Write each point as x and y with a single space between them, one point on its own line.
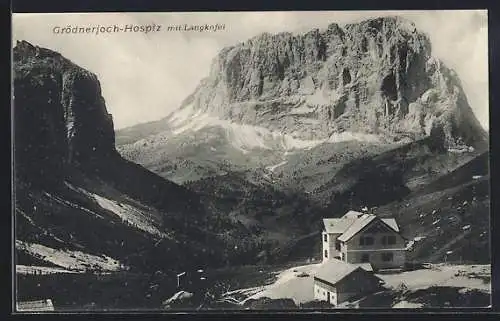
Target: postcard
276 161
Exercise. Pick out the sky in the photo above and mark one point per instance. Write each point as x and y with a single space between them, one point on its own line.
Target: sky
144 77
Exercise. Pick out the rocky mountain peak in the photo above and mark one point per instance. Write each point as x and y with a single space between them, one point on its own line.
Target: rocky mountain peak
376 76
60 114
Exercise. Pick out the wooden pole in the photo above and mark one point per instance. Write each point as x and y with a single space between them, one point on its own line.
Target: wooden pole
179 278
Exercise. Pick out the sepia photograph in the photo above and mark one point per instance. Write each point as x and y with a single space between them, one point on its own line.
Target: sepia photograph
250 161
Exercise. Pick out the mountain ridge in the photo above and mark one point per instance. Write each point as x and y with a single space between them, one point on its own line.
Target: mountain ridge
374 77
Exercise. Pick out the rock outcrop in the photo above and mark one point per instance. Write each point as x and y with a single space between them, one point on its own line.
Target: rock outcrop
60 117
377 76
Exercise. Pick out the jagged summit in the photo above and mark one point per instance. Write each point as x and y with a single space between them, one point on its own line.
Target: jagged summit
377 77
25 49
388 21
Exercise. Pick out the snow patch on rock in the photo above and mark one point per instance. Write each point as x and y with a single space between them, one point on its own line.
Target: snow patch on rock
70 260
249 137
130 214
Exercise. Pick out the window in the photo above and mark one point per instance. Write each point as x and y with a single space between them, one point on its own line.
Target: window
366 240
326 253
365 258
392 239
337 246
325 237
343 256
387 257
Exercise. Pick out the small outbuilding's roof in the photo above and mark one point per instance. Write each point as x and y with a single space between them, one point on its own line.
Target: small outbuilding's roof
365 266
333 271
40 305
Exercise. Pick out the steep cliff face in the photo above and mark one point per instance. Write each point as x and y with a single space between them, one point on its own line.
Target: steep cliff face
60 116
62 125
377 77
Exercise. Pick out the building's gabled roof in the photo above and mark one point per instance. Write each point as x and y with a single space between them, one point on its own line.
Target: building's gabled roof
333 271
365 266
353 222
364 221
340 225
357 226
392 223
40 305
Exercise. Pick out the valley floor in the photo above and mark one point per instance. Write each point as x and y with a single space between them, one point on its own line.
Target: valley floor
239 288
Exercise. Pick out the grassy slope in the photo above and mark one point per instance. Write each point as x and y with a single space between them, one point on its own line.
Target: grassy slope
310 169
269 213
454 221
70 220
387 177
